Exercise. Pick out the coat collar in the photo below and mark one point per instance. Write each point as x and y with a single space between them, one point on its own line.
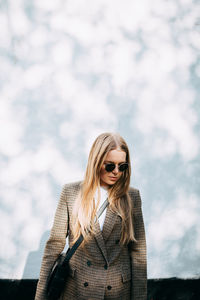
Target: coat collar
102 236
109 222
100 240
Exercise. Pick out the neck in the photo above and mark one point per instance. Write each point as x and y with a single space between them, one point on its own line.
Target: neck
103 186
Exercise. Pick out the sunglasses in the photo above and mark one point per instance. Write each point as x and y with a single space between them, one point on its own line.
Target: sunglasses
109 167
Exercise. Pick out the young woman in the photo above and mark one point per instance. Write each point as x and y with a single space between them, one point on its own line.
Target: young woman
111 261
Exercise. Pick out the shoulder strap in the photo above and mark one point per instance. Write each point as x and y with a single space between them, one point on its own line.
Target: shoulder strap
72 250
102 208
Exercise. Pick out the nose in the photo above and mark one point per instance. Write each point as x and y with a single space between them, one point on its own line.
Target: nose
116 170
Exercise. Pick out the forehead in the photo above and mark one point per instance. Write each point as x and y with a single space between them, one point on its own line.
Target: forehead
116 156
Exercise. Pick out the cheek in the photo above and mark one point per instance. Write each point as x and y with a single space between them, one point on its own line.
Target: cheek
120 174
103 174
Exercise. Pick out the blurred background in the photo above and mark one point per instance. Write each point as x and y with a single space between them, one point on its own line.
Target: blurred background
71 70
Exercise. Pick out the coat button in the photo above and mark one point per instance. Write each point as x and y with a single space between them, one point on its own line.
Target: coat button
105 267
85 284
89 263
117 242
109 287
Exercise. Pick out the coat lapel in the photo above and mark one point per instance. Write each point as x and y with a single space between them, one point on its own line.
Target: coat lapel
101 237
100 241
109 222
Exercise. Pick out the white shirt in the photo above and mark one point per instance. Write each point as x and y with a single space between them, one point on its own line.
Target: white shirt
104 195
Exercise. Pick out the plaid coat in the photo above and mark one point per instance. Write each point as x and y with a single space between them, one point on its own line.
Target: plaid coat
102 269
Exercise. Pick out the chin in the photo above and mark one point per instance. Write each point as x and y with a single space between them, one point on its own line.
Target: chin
112 182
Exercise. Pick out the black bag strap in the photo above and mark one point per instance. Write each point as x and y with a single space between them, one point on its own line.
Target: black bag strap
70 252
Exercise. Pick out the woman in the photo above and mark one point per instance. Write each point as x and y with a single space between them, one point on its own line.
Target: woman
111 262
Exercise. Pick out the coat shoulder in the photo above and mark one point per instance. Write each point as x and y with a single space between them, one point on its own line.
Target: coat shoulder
135 196
76 184
73 187
133 191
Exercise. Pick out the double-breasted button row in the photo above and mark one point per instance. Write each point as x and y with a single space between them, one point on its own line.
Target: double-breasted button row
89 263
109 287
85 284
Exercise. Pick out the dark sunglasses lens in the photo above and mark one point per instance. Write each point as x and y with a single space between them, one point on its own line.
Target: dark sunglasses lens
123 167
110 167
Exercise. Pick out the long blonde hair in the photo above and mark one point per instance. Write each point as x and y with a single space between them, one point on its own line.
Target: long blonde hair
84 211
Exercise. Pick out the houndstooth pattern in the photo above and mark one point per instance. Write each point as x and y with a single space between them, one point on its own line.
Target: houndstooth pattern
102 269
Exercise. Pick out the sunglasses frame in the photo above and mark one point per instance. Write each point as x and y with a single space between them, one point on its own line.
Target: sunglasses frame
114 166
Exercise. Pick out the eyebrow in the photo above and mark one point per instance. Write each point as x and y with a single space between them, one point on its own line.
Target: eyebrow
112 162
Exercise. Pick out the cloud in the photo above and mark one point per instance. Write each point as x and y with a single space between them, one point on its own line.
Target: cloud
71 71
11 129
169 126
168 232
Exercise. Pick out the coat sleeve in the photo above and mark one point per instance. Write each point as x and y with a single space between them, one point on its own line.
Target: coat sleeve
54 245
138 252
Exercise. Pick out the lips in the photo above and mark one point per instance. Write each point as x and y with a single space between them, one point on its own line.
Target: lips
113 178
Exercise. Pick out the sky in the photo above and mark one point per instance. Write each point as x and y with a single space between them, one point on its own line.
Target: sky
71 70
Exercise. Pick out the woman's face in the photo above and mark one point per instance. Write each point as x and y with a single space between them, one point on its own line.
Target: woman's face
117 157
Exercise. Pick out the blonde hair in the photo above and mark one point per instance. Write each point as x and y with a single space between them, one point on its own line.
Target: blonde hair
84 211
